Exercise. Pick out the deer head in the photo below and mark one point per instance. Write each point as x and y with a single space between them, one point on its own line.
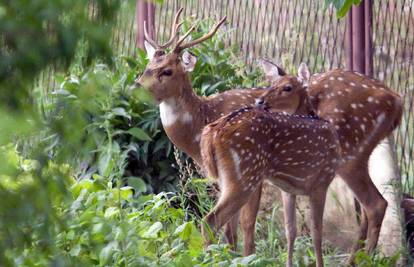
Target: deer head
288 93
166 73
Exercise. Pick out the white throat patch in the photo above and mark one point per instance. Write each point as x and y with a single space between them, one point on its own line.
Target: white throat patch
169 113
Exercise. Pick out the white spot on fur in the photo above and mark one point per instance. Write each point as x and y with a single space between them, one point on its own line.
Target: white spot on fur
236 160
363 127
381 117
197 138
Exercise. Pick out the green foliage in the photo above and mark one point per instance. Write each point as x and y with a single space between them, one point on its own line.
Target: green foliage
342 6
364 260
218 68
35 34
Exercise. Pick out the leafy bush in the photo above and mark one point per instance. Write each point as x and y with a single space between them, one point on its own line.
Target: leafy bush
37 33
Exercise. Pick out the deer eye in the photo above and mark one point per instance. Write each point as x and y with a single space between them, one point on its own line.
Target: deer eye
287 88
166 72
159 53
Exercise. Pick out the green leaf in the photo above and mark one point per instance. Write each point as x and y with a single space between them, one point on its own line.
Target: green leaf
121 112
342 6
74 252
126 192
106 253
152 232
104 164
183 231
143 95
139 134
195 243
137 183
111 212
83 184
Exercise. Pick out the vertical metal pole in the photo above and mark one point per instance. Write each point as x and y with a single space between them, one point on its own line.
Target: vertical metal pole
144 12
348 47
358 38
368 39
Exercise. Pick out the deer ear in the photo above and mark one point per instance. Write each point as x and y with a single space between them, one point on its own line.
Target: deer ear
188 61
270 70
303 73
150 50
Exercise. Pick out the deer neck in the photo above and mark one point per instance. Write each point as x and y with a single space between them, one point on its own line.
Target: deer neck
182 118
305 107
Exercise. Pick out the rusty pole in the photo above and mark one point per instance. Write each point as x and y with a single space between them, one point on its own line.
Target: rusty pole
144 12
369 70
348 47
359 38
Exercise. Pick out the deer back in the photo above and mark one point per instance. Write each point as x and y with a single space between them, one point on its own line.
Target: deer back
362 110
297 153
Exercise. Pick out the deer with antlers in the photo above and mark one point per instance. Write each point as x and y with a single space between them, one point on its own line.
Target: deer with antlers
363 111
299 154
184 114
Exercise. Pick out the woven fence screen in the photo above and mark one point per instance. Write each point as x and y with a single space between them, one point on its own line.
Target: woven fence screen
293 31
289 32
393 29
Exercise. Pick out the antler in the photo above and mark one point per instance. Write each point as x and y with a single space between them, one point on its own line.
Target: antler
178 47
174 30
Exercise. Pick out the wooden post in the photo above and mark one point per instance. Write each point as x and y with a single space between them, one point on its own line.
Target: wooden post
144 12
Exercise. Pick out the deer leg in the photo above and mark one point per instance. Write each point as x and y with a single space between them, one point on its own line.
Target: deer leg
289 213
317 205
356 175
362 236
230 231
248 220
230 202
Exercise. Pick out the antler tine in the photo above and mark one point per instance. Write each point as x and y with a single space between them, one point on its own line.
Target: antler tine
177 45
201 39
148 38
174 29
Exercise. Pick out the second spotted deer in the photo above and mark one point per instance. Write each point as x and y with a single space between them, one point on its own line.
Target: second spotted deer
363 111
299 154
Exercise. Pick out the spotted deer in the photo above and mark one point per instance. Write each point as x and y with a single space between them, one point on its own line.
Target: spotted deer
363 111
298 154
184 114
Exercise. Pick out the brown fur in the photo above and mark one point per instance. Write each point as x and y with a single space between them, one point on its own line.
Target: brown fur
250 145
363 111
